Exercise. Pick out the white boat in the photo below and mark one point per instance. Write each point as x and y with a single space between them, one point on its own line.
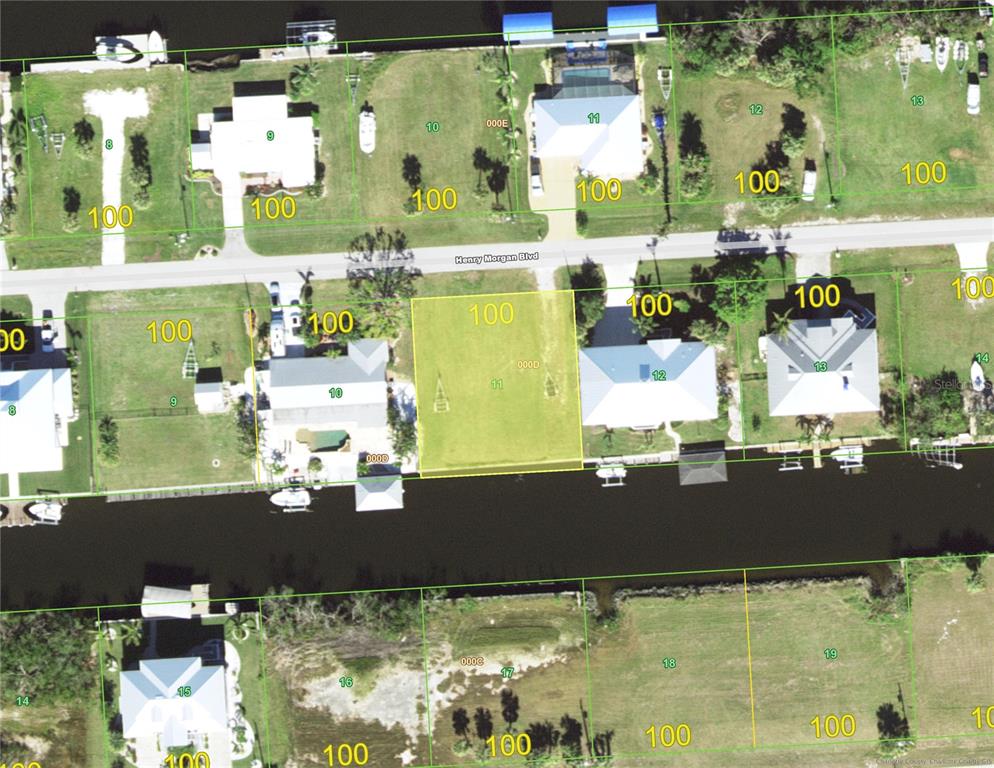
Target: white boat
977 378
612 475
48 512
925 53
291 499
665 77
367 131
941 52
961 54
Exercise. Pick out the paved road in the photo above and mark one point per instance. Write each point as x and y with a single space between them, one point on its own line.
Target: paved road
615 250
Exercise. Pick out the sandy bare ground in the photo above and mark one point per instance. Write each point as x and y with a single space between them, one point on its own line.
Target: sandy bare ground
113 108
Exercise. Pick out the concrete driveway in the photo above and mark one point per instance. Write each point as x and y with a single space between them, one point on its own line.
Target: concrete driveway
559 183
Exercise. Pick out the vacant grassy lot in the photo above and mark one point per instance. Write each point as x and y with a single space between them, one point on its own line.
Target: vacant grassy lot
311 706
60 98
794 628
18 223
496 394
895 260
953 630
540 636
15 308
704 633
940 331
872 102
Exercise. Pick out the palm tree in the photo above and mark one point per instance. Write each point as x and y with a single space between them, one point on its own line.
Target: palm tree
131 632
482 163
242 626
303 79
781 323
17 132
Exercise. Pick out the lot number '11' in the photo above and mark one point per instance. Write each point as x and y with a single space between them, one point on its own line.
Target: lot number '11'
346 754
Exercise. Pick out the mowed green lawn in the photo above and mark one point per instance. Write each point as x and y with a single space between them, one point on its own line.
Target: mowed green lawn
881 130
940 331
500 417
60 98
953 628
708 689
540 636
791 628
134 376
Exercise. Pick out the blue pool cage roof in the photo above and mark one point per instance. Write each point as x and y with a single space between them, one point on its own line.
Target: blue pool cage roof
632 20
522 27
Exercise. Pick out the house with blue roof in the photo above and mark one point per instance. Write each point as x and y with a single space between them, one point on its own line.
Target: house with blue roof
640 386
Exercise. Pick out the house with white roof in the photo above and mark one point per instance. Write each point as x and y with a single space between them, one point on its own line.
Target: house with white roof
42 402
640 386
168 703
823 366
608 147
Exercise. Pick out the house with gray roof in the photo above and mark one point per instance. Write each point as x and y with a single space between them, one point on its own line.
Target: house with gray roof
640 386
823 366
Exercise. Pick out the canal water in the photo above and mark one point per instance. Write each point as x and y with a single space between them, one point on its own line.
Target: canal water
456 531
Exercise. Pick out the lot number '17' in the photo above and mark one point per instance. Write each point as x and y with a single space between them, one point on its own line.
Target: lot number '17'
346 754
492 313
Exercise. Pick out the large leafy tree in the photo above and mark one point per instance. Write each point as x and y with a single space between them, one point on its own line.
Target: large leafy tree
49 656
589 297
738 292
381 276
303 80
935 407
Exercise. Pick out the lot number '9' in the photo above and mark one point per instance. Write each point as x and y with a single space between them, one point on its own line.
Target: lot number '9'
346 754
832 726
669 736
511 745
111 216
598 190
186 760
332 322
167 331
433 199
492 313
925 173
275 208
984 716
759 182
12 340
650 304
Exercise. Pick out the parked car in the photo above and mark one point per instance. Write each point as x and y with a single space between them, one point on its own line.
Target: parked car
274 293
983 64
972 94
295 315
536 173
47 332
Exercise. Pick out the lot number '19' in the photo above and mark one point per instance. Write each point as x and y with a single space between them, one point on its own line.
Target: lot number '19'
510 745
492 313
111 216
285 207
974 287
186 760
759 182
925 173
167 331
667 735
598 190
12 340
833 726
984 716
346 754
332 322
433 199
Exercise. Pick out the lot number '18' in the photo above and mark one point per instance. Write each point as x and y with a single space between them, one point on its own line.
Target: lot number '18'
984 716
332 322
974 287
167 331
111 216
433 199
925 173
759 182
346 754
510 745
817 296
833 726
285 207
492 313
12 340
598 190
669 735
186 760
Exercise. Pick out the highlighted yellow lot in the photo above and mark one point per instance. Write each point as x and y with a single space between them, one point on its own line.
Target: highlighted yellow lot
497 387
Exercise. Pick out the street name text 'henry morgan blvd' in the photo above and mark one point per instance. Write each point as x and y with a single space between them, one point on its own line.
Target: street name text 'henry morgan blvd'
503 258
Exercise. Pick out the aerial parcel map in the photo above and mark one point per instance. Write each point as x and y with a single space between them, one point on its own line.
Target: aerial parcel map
518 384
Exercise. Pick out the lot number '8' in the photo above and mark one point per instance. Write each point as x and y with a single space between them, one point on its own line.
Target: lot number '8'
669 736
347 754
511 745
833 726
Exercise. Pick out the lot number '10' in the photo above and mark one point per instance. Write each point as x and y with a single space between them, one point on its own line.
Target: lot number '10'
168 331
833 726
492 313
925 173
186 760
433 200
599 191
669 735
759 182
111 216
984 716
511 745
346 754
275 208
